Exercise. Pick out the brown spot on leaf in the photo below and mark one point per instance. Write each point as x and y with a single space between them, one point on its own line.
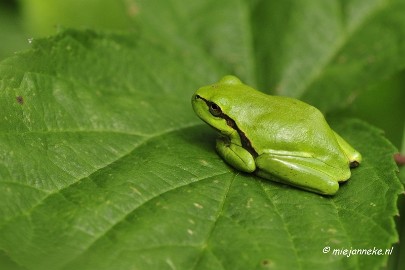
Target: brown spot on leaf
20 100
266 263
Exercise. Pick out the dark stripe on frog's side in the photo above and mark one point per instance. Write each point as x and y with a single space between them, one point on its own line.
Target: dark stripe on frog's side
230 122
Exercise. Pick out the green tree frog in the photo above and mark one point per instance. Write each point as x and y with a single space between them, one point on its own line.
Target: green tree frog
277 138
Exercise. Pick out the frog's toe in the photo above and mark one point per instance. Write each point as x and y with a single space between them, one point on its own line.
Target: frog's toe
355 159
354 164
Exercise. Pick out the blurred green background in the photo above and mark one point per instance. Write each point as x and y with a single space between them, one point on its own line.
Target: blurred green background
13 36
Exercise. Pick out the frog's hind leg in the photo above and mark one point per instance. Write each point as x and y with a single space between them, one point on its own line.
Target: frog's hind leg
301 172
353 156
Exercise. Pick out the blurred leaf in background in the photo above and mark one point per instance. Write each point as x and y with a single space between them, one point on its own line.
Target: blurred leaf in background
12 34
42 17
383 105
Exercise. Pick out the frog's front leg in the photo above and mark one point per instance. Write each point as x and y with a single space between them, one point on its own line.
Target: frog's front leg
235 155
303 172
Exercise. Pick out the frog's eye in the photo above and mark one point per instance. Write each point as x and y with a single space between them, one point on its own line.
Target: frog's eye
215 110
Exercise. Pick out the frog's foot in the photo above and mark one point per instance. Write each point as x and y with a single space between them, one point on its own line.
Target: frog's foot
304 172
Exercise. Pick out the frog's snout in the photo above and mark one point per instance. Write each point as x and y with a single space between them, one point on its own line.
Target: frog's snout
195 99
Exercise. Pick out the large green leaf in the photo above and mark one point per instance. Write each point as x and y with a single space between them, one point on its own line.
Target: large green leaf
103 165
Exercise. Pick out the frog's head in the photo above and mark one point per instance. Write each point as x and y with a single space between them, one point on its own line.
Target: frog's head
211 103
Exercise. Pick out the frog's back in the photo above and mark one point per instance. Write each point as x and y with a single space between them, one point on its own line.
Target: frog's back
286 125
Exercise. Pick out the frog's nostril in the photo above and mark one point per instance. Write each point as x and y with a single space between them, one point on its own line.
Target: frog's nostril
197 97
